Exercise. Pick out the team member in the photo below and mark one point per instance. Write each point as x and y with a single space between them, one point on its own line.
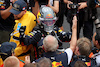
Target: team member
96 51
23 18
6 50
6 20
83 52
50 45
45 26
86 17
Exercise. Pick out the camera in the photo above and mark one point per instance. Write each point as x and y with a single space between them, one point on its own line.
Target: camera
22 35
74 8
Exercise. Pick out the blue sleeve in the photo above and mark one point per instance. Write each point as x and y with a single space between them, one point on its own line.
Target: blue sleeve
32 39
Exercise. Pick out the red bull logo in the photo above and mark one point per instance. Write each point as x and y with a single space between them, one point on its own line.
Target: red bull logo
57 64
88 63
49 16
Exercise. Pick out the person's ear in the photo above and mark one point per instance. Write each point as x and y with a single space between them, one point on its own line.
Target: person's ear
25 11
96 42
42 47
77 50
13 54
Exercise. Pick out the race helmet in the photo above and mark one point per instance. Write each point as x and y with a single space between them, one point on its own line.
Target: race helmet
47 18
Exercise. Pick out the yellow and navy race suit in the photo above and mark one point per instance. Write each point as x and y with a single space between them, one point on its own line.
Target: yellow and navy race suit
37 35
28 20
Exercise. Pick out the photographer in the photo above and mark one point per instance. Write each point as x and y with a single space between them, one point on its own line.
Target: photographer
90 4
6 20
22 18
85 16
96 51
93 3
96 42
36 4
45 26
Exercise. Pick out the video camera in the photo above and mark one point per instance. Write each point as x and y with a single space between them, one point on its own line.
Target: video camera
74 8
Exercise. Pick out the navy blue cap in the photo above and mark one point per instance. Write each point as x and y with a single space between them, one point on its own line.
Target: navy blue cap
18 6
7 47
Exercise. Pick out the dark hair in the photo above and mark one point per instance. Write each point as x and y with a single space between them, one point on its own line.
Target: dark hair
80 64
30 65
97 37
44 62
97 24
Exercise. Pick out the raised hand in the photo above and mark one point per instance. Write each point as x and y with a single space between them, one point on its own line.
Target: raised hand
27 59
74 22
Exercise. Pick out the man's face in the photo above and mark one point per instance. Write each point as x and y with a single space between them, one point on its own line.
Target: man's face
93 39
16 17
95 42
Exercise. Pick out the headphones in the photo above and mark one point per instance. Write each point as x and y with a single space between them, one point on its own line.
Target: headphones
81 57
97 37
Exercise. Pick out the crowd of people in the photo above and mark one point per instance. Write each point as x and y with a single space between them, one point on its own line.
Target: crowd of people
32 33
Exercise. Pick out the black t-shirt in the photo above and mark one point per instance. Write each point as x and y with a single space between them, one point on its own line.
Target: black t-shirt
91 3
7 24
7 2
32 3
41 2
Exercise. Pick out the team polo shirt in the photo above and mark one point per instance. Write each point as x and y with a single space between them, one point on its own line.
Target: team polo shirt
58 60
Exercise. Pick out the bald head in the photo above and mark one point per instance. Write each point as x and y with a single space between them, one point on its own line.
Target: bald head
50 43
11 61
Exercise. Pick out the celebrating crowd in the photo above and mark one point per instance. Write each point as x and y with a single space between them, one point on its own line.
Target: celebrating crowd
32 33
